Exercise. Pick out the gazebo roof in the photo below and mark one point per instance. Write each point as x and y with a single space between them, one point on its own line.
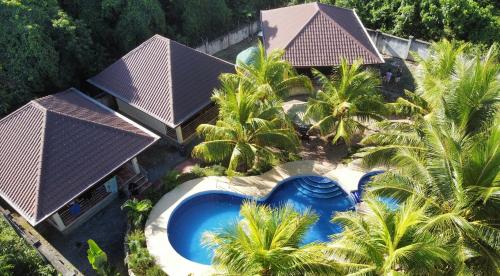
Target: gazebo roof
316 34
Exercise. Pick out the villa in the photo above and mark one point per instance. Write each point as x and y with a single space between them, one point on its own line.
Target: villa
166 86
65 156
317 35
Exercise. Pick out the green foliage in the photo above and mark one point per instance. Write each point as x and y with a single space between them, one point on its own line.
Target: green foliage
139 259
17 257
137 210
99 260
271 74
155 271
382 241
347 100
449 156
204 19
469 20
250 131
215 170
267 242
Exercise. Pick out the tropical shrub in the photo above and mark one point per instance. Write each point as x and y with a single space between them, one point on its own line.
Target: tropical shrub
267 242
17 257
381 241
137 210
140 261
347 100
99 260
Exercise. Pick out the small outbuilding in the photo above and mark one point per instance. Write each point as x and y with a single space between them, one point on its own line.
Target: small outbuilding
317 35
165 85
65 156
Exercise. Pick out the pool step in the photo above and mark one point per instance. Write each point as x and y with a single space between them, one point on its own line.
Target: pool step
321 190
319 187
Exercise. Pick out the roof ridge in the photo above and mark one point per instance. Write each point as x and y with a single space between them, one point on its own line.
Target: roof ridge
40 157
351 37
301 29
170 80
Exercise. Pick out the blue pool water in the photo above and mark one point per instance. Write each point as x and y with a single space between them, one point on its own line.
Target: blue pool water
209 211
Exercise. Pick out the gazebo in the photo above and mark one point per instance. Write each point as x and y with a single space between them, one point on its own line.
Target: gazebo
317 35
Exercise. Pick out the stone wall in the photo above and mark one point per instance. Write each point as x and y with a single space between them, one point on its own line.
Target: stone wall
226 41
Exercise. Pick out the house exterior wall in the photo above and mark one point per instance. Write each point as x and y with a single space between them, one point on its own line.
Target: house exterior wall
58 223
143 118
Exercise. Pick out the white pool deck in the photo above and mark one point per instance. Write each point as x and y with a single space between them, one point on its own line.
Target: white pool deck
156 226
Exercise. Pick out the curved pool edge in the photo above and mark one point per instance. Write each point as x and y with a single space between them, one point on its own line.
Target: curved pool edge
156 226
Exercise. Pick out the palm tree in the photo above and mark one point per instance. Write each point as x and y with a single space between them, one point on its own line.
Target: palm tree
249 132
381 241
271 74
268 242
457 175
464 88
347 101
137 210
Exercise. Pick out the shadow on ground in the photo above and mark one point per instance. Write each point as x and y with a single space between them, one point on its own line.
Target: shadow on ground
106 228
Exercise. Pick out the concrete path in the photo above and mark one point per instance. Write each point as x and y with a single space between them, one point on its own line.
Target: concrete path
156 225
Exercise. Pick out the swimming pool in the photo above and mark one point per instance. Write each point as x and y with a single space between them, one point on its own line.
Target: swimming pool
212 210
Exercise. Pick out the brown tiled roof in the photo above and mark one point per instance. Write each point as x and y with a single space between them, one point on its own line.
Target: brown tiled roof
54 148
316 34
164 79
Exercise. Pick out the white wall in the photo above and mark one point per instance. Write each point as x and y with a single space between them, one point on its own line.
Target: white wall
141 117
398 47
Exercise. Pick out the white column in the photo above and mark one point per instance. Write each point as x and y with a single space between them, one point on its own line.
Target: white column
178 132
135 165
58 221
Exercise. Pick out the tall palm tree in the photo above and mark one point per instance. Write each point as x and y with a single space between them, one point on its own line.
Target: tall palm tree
249 132
268 242
457 175
451 160
466 89
271 74
346 102
433 76
381 241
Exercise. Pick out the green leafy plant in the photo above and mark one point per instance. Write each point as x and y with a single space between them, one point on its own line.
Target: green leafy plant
140 261
249 131
381 241
347 100
268 241
137 210
99 260
271 74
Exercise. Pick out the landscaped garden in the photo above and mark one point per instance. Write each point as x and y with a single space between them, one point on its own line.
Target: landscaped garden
319 170
439 150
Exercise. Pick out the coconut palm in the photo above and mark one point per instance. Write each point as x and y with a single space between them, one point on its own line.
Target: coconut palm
381 241
346 102
137 210
268 242
249 132
458 177
465 89
271 74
